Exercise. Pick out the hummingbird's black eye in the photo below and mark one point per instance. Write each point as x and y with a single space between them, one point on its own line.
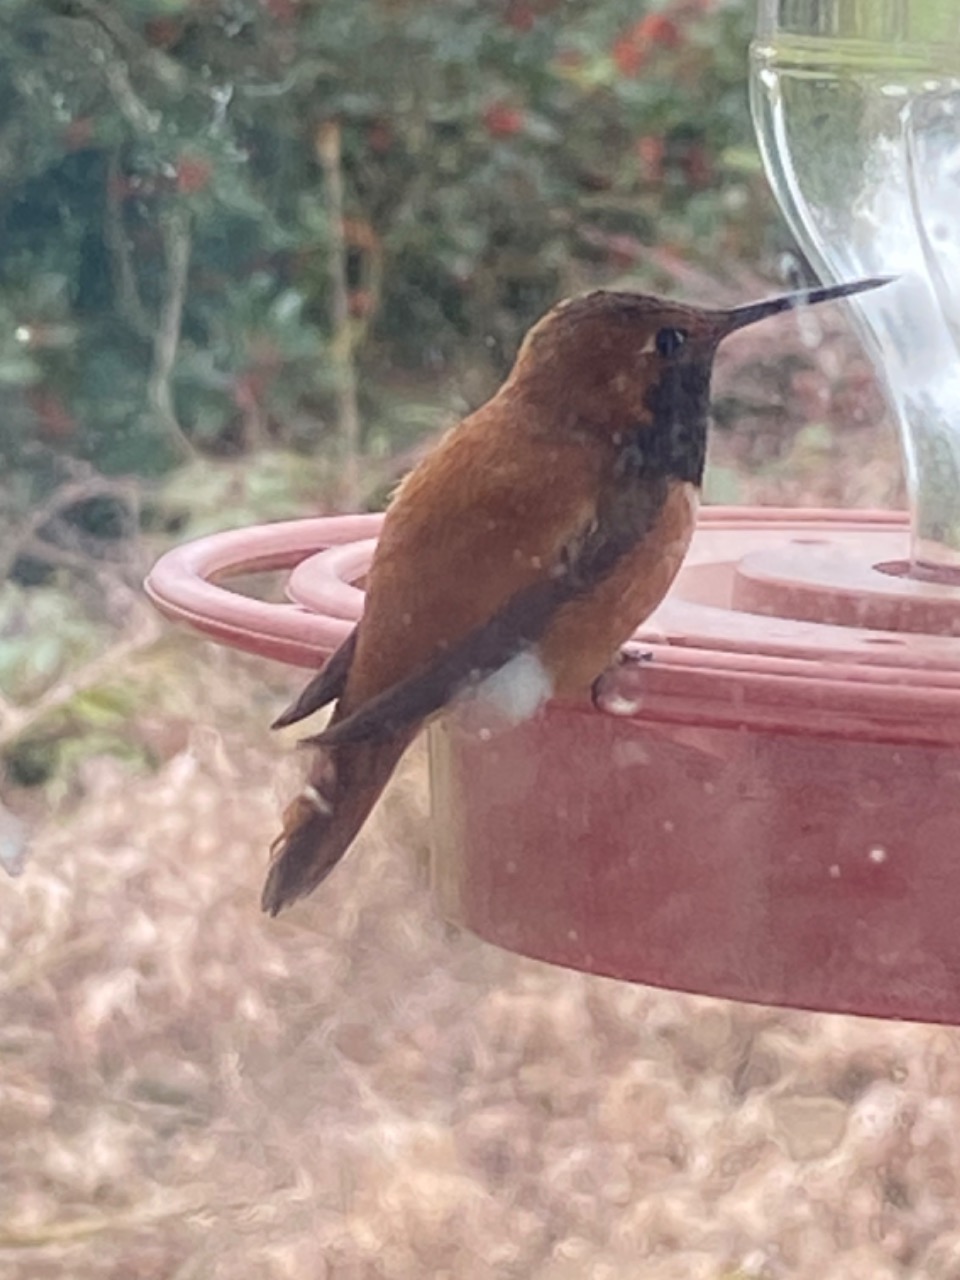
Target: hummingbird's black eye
669 341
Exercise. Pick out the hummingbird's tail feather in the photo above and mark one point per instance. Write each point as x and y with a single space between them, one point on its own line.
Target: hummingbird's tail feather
325 686
321 823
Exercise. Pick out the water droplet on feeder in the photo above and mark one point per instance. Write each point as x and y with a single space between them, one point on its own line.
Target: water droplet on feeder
617 705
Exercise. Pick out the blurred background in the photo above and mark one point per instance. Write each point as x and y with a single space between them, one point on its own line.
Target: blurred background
255 256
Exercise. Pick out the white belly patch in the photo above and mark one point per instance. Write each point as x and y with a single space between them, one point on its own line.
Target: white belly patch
508 696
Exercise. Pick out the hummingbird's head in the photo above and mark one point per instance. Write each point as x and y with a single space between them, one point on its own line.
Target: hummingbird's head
633 366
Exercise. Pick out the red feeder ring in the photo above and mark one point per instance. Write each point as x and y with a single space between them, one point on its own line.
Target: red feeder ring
768 811
184 585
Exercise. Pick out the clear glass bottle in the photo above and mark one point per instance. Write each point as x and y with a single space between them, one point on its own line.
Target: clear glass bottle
857 109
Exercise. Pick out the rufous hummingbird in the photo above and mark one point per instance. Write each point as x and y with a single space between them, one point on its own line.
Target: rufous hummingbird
522 552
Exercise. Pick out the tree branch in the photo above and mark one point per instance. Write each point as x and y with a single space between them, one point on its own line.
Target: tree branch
16 720
177 246
62 499
128 41
329 154
136 113
129 303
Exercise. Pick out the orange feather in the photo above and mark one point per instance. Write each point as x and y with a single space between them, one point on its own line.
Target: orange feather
546 527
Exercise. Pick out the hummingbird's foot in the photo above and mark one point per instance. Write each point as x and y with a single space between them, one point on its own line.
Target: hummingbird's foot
630 654
602 691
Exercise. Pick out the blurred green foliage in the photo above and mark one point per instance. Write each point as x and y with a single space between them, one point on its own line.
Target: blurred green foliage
172 237
493 152
45 636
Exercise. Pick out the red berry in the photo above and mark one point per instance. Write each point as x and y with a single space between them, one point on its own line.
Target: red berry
628 55
78 135
247 391
501 120
120 186
698 166
361 303
632 49
284 11
656 28
520 16
193 174
650 150
163 33
380 137
54 419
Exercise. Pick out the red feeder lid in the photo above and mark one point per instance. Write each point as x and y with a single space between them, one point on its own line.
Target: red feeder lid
769 810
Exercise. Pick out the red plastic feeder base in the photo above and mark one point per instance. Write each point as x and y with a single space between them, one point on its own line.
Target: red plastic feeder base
769 810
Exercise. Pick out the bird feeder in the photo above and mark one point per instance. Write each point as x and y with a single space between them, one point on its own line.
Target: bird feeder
769 810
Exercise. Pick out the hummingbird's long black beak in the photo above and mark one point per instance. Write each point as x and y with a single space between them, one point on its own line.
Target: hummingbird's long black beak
739 317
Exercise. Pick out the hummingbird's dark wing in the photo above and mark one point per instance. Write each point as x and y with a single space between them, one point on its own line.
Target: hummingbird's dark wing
326 686
524 618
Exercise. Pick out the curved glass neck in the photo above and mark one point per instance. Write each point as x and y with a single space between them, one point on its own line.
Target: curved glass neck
857 110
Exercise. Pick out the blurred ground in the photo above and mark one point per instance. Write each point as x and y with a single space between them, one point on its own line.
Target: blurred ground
356 1092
